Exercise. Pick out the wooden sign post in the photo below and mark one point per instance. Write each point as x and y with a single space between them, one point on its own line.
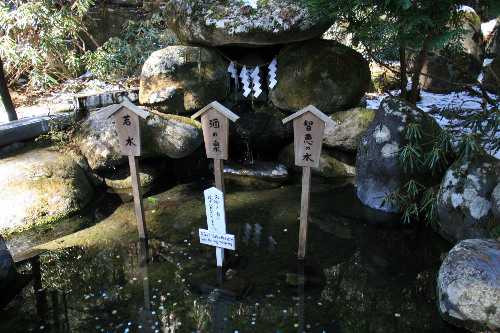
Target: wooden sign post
216 220
308 132
215 123
128 127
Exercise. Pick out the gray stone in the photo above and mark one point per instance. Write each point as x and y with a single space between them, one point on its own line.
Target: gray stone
120 178
161 135
349 128
492 47
7 265
218 23
323 73
377 163
29 128
463 206
329 165
495 202
90 101
180 79
468 285
40 186
259 175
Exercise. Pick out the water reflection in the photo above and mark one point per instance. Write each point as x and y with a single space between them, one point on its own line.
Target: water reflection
147 318
356 277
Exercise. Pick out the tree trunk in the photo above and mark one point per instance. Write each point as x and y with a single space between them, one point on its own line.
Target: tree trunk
5 95
417 69
404 79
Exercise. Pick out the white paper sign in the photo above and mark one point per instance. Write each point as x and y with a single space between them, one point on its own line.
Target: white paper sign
214 206
225 241
216 216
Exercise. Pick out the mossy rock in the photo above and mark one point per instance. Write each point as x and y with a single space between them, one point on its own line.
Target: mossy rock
329 166
120 178
161 135
232 22
39 187
322 73
181 79
349 128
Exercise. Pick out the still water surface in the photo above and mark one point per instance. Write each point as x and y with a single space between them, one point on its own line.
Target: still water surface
357 277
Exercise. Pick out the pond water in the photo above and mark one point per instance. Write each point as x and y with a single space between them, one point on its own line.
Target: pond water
357 277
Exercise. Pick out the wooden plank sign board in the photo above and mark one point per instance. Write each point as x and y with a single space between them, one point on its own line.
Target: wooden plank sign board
308 132
126 116
215 133
215 123
216 220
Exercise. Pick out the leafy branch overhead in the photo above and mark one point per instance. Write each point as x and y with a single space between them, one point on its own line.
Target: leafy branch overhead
403 30
46 42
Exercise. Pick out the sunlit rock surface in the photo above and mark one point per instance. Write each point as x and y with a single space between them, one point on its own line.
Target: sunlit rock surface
464 199
180 79
40 186
468 285
258 175
161 135
232 22
323 73
121 179
349 128
378 172
330 166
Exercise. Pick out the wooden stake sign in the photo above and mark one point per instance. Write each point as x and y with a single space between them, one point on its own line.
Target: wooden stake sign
308 132
215 123
216 220
128 127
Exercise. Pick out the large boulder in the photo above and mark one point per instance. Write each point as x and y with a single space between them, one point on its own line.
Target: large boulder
40 186
470 59
492 44
464 198
7 265
468 285
491 76
349 128
218 23
378 171
161 135
260 127
181 79
322 73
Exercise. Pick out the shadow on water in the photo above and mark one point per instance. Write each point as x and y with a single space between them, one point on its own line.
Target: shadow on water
357 277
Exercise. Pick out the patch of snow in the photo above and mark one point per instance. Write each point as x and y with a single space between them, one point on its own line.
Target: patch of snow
251 3
466 9
487 28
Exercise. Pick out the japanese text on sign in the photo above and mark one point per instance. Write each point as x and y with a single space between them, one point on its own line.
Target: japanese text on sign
214 205
225 241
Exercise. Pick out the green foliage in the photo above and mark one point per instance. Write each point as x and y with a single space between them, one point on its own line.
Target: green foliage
390 29
125 56
40 40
